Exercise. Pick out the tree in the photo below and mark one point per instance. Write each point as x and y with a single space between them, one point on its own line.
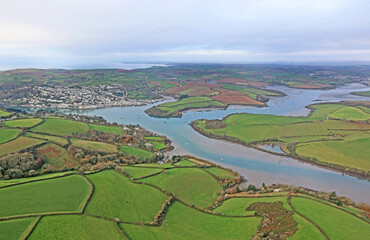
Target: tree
251 187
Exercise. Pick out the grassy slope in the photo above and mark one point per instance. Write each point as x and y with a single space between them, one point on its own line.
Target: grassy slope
220 172
18 144
23 123
61 194
55 159
335 223
184 163
8 134
107 129
190 184
75 227
90 145
21 180
4 113
158 145
116 197
136 172
182 222
61 127
58 140
363 93
13 229
141 153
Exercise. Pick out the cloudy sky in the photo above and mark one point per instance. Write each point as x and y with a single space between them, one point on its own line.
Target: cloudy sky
79 33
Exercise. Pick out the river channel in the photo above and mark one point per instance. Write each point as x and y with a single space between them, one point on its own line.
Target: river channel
256 166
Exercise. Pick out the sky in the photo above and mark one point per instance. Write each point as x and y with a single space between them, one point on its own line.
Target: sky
97 33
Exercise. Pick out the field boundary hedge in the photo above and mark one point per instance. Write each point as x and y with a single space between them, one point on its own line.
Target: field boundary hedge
30 228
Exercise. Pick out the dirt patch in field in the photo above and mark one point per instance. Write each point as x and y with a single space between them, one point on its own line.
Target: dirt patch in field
232 97
193 89
311 86
156 83
49 151
242 82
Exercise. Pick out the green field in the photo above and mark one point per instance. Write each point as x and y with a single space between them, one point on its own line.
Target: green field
4 113
23 180
194 186
8 134
23 123
61 194
334 222
184 163
54 155
363 93
182 222
116 197
18 144
174 109
14 229
106 129
61 127
58 140
141 153
137 172
158 145
75 227
219 172
90 145
334 134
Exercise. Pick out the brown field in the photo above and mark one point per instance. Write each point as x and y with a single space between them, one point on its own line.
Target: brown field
312 86
194 89
156 83
232 97
241 82
49 151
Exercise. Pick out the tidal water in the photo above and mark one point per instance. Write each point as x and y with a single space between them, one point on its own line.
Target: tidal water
256 166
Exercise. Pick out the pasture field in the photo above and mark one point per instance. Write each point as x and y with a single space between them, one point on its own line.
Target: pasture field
351 227
4 113
201 188
61 127
219 172
137 172
28 179
141 153
75 227
335 135
58 140
363 93
174 109
60 194
23 123
182 222
7 134
158 145
184 163
14 229
55 155
156 165
107 129
116 197
90 145
18 144
154 138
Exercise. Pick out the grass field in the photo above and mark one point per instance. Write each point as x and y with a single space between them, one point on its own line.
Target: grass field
158 145
182 222
141 153
18 144
62 127
363 93
90 145
13 229
61 194
75 227
7 134
58 140
190 184
23 123
55 155
336 134
4 113
136 172
21 180
107 129
184 163
334 222
220 172
115 196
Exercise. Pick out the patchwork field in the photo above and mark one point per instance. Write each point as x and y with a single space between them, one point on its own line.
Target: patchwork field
18 144
23 123
61 127
334 135
90 145
141 153
7 134
120 208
